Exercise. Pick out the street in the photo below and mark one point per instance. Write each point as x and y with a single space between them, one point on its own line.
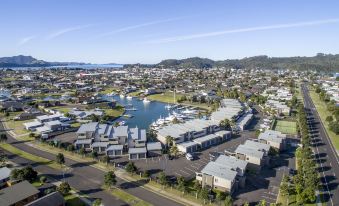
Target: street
325 153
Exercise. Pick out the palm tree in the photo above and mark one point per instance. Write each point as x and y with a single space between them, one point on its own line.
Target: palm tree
174 151
169 141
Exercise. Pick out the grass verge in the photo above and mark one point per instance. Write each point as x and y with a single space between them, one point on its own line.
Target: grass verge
128 198
29 156
323 113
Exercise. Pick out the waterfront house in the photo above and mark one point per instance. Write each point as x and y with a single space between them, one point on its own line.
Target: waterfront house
114 150
137 153
100 147
154 149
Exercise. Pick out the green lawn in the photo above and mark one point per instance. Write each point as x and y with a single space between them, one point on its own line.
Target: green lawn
108 90
166 97
114 112
29 156
128 198
63 109
286 127
73 200
323 113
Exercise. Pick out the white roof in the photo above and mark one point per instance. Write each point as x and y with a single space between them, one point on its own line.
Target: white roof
115 147
219 170
35 123
154 146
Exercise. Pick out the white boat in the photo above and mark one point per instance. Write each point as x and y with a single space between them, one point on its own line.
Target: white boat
122 96
129 97
122 123
168 106
146 100
187 111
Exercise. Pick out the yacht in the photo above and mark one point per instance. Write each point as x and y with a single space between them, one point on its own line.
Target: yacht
122 96
129 97
168 107
146 100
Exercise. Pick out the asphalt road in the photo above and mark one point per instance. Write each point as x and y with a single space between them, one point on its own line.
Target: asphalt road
325 153
85 178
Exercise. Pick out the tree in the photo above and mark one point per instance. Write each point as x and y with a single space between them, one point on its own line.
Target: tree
146 174
169 141
110 179
60 159
329 119
106 159
43 179
3 137
225 124
26 173
82 151
220 196
174 151
262 203
3 159
182 184
70 148
162 178
64 188
94 154
228 201
131 168
97 202
204 194
284 186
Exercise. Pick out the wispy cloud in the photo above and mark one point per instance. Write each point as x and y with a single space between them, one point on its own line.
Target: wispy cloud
66 30
137 26
25 40
243 30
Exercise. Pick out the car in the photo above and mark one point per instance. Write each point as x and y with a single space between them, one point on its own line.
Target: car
189 156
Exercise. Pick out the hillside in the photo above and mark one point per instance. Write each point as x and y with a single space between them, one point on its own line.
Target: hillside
321 62
28 61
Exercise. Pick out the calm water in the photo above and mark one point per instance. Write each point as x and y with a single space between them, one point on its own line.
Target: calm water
146 112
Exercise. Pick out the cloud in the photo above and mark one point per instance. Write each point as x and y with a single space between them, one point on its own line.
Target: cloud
137 26
243 30
67 30
25 40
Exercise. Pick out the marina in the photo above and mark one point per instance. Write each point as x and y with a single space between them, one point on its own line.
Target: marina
143 113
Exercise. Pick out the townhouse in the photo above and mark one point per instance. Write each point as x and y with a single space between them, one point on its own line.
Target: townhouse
273 138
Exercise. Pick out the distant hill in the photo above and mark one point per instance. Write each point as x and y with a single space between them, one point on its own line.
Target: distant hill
321 62
28 61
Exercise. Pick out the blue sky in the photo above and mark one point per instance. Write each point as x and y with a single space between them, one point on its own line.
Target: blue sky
131 31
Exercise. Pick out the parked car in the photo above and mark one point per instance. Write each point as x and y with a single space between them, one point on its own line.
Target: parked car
189 156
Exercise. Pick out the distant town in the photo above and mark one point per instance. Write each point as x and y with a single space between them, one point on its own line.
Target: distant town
136 135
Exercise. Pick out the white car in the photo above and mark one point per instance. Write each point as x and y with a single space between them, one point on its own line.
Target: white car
189 156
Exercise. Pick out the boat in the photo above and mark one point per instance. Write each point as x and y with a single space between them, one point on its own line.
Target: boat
122 96
129 97
168 106
121 123
146 100
128 115
111 94
187 111
131 109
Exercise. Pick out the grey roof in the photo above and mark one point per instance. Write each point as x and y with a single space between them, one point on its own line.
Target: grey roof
242 149
115 147
34 123
102 128
231 162
4 173
89 127
219 170
52 199
121 131
257 145
137 150
46 117
205 138
154 146
100 144
18 192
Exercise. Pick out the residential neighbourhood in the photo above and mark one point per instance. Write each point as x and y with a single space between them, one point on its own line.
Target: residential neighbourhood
171 103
